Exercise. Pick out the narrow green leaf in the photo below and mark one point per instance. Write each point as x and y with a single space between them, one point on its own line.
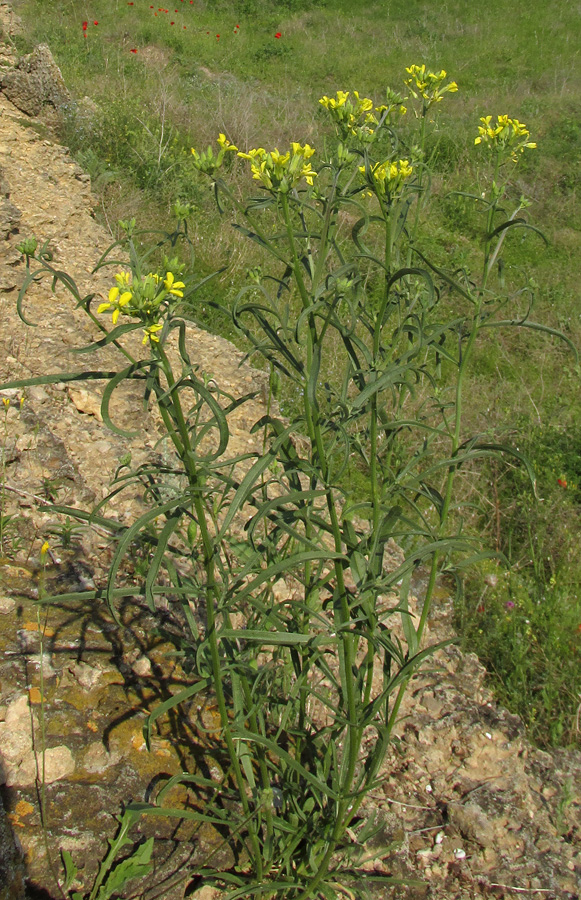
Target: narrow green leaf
70 869
162 542
534 326
131 534
171 703
65 377
125 374
268 638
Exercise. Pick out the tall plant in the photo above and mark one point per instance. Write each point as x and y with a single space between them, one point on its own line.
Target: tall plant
373 340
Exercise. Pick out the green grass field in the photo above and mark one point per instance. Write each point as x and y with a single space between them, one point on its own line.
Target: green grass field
164 81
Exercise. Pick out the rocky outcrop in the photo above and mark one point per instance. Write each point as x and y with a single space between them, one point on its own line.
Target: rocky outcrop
10 22
11 867
35 83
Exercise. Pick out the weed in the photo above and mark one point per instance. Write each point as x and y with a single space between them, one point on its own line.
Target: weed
305 724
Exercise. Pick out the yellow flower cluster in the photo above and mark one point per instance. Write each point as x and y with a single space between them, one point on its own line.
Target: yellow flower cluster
354 118
281 172
388 177
206 162
508 136
119 296
146 299
428 85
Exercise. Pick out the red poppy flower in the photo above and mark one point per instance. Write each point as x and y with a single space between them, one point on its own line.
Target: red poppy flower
172 23
562 482
217 37
85 26
278 34
130 4
95 23
133 51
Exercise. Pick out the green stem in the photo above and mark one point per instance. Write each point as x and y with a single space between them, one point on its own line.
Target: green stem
414 229
196 481
490 222
3 486
342 612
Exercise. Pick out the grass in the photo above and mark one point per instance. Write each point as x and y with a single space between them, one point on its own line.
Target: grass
185 84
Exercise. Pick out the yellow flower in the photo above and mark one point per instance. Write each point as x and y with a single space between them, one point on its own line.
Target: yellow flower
388 177
117 300
507 136
281 171
365 104
353 118
209 164
225 144
123 279
332 103
252 154
151 333
428 85
172 286
279 159
305 151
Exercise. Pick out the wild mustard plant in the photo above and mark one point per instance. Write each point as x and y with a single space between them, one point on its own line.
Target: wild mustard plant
309 687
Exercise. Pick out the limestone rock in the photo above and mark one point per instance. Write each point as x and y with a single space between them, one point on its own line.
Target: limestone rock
472 823
4 186
19 761
9 218
35 82
10 23
86 401
7 605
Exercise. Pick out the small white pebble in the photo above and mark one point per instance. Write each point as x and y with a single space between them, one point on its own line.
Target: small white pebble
142 667
459 853
429 788
488 735
439 837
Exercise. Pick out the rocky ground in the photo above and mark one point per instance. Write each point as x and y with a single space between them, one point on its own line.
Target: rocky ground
472 809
